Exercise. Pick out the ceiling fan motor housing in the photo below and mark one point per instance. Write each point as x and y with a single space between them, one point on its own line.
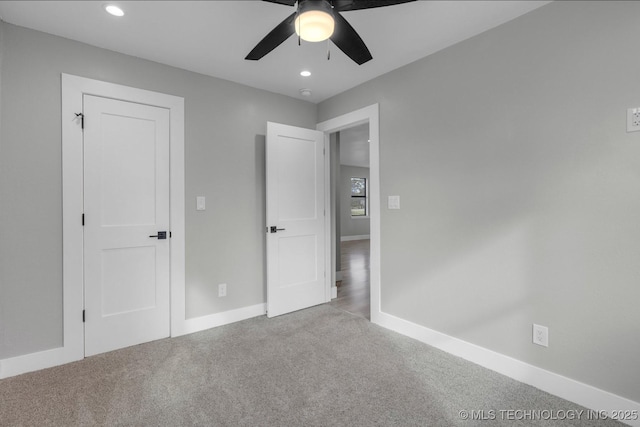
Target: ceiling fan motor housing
322 5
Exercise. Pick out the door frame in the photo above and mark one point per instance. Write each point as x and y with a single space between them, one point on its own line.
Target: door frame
73 90
369 115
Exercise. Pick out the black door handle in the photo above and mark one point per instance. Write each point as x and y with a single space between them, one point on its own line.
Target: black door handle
161 235
275 229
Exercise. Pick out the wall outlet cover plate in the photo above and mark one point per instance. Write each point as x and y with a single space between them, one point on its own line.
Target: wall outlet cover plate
633 119
541 335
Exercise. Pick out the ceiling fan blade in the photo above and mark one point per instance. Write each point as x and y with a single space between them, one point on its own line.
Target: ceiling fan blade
279 34
347 5
285 2
348 40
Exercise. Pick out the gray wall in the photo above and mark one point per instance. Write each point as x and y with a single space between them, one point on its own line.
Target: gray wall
348 225
225 127
520 190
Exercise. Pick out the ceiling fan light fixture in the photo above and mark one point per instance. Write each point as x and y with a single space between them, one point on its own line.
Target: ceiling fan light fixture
315 22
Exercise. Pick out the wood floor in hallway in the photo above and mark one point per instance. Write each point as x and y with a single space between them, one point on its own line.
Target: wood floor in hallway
354 289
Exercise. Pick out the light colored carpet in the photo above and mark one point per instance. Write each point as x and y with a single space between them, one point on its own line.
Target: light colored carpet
316 367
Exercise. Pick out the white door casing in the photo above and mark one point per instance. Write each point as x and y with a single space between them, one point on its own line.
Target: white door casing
126 201
296 208
73 90
72 349
369 115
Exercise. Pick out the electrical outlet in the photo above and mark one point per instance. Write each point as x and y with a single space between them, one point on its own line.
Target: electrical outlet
222 290
633 119
541 335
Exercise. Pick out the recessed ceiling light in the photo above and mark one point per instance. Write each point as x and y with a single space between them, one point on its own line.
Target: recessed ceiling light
305 92
305 73
114 10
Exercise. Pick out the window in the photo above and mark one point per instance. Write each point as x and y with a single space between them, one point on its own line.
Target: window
359 197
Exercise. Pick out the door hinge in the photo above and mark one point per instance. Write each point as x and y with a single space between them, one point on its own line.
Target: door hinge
169 234
83 316
83 220
81 115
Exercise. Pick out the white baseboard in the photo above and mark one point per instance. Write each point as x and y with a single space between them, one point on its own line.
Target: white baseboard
558 385
350 238
60 356
202 323
34 362
334 292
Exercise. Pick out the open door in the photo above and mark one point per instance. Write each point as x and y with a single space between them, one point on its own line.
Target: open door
295 219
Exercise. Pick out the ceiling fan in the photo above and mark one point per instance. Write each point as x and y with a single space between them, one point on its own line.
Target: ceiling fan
318 20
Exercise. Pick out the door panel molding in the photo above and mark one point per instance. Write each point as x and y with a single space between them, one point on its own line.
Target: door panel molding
73 90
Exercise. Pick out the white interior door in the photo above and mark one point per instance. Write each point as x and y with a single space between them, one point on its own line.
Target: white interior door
126 196
295 219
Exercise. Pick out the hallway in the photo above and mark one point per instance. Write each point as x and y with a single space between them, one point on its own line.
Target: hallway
353 289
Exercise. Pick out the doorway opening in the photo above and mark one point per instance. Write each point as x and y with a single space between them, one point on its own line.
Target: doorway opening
350 193
367 115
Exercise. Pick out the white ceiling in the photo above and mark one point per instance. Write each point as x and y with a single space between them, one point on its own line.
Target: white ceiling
213 37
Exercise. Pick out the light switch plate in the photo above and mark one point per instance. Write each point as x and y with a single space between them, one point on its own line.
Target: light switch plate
200 203
394 202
